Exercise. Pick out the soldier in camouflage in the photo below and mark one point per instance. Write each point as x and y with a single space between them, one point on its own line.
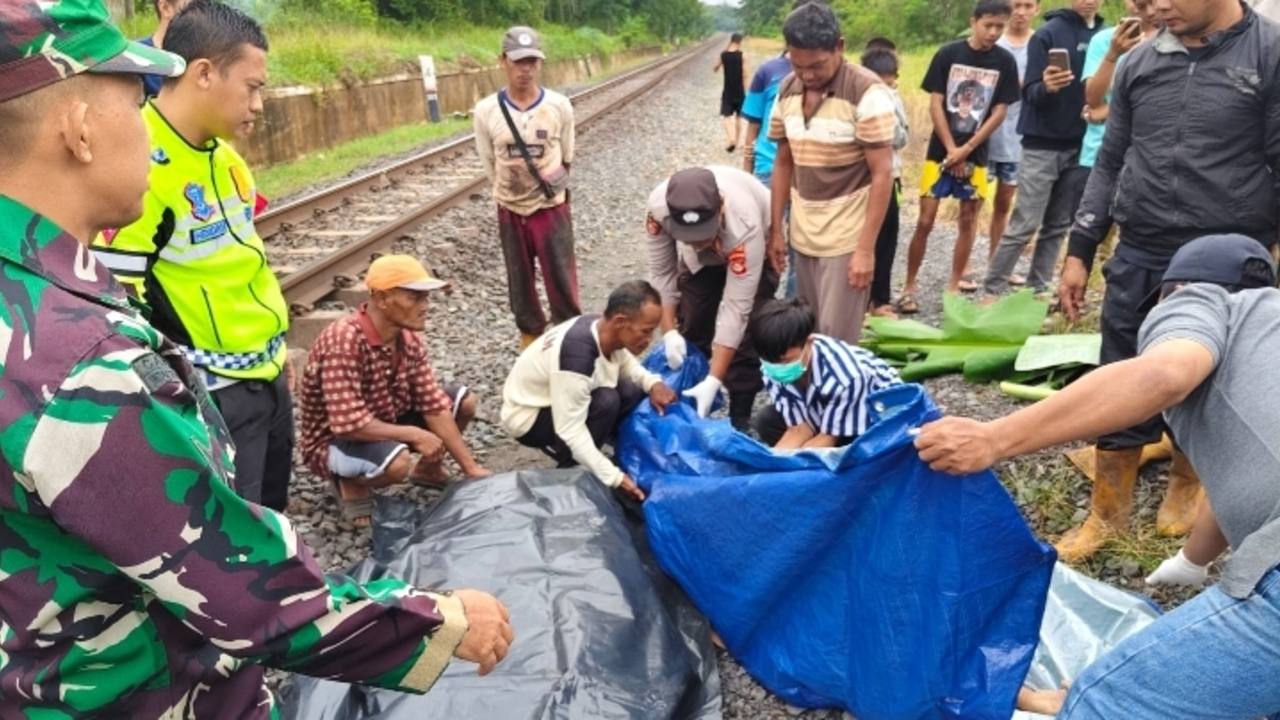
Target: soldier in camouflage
133 581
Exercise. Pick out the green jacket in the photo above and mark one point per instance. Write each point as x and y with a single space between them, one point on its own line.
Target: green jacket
195 258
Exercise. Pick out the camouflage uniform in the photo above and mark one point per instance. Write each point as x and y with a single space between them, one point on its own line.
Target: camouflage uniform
133 581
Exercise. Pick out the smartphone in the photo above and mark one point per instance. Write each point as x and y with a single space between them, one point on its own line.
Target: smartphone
1059 58
1130 26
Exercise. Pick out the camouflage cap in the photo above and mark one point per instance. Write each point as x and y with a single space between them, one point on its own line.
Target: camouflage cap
43 42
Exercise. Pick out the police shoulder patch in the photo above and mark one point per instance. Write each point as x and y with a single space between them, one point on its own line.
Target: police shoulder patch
652 226
737 260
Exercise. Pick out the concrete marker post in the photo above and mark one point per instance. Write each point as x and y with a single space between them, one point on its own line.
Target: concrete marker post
428 66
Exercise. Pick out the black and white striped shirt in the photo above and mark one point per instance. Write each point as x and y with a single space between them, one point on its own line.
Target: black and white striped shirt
841 376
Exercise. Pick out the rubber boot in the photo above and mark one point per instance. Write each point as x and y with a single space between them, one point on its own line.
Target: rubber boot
526 340
1112 503
740 410
1181 500
1085 457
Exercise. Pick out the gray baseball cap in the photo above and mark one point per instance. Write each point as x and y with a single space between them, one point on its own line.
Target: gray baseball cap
522 42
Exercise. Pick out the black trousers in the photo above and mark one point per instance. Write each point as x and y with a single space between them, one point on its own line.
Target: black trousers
608 407
700 296
1132 291
886 249
259 415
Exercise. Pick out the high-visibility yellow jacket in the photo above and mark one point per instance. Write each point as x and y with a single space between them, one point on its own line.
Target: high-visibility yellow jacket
195 258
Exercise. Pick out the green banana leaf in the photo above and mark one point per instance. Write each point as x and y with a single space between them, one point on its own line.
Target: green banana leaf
981 341
1045 351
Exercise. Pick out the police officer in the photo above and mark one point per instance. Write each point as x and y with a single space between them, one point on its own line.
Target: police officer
195 256
707 230
134 582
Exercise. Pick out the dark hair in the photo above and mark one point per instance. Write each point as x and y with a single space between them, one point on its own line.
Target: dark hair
213 31
735 38
881 62
812 26
781 325
880 43
630 297
992 7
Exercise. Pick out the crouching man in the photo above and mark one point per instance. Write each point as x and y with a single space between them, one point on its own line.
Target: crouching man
1203 360
819 385
569 390
369 398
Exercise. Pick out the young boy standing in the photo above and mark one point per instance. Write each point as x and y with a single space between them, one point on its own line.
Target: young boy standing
971 83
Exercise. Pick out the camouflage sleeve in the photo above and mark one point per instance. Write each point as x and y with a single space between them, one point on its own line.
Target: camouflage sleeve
126 459
127 251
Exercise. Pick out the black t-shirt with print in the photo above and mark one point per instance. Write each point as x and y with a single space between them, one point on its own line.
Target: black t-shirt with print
971 84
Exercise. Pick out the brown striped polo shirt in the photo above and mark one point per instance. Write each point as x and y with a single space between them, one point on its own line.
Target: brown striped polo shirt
830 181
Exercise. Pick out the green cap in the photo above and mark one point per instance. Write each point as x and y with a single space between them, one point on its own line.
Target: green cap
45 41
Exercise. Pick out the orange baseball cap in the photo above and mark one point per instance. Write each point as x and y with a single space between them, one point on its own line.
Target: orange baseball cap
401 271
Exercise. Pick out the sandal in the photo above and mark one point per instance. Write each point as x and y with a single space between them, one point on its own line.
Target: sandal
1016 279
355 501
967 285
907 304
883 311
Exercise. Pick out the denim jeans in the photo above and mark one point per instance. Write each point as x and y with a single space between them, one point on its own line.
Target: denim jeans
1213 658
1050 183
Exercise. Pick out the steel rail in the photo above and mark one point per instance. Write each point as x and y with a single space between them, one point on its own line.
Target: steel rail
315 279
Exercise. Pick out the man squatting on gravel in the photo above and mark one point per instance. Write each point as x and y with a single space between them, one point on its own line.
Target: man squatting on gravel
135 582
369 399
1203 360
568 391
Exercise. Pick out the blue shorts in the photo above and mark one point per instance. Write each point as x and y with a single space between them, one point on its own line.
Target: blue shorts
1005 173
938 183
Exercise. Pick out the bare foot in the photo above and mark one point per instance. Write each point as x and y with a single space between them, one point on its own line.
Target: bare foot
431 474
1042 702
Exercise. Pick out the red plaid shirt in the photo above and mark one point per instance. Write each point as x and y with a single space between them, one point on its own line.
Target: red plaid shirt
353 378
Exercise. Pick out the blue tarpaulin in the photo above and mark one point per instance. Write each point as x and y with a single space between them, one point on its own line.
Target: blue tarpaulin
861 580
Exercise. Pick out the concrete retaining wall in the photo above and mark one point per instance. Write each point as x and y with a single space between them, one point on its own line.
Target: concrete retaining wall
299 120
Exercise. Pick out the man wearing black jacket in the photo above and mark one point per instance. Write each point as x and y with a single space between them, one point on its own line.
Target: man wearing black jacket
1050 178
1192 148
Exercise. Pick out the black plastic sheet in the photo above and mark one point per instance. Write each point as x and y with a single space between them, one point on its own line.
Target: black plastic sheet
601 632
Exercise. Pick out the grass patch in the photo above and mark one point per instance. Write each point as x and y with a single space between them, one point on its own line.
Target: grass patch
286 179
318 51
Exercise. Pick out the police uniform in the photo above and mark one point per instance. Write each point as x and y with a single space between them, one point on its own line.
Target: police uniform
195 258
716 291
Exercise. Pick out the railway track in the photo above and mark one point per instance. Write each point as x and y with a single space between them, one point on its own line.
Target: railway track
324 241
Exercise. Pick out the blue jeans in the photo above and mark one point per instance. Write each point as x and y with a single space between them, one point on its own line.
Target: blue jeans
1213 658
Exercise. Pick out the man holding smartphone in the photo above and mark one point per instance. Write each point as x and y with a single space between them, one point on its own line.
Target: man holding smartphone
1050 178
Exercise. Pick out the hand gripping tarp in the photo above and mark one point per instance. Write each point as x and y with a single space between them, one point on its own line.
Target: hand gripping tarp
879 586
601 632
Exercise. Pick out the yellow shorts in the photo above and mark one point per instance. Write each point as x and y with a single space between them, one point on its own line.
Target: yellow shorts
938 183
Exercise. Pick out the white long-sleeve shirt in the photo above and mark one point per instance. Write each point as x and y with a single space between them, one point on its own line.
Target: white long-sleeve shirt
560 370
